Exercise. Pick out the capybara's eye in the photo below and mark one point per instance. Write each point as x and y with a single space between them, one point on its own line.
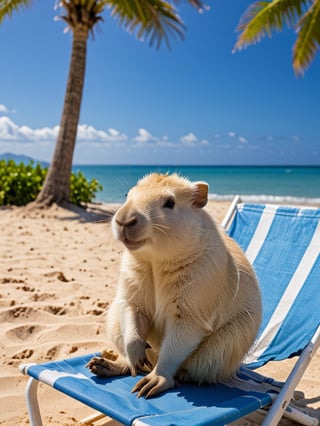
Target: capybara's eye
169 204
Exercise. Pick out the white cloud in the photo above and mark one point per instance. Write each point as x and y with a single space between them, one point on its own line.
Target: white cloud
242 139
239 138
192 140
189 139
9 130
3 109
45 133
144 136
86 132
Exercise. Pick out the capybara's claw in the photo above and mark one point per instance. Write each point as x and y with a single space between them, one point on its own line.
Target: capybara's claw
152 385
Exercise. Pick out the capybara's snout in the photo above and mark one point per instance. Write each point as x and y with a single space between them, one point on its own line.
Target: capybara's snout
130 227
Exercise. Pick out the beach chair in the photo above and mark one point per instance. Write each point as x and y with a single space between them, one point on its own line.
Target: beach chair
283 244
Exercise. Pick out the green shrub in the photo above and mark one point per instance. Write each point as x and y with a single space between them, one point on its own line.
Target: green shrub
81 190
21 183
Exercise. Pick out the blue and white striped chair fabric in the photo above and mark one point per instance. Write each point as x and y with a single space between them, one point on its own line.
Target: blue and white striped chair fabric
283 243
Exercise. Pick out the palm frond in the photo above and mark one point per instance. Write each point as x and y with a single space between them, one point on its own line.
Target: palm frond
263 17
198 4
155 20
308 39
8 7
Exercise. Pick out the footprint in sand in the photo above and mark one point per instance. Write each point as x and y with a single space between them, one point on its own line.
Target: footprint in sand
56 310
57 274
73 349
17 312
6 303
26 353
95 312
40 297
51 353
11 281
25 288
23 332
102 305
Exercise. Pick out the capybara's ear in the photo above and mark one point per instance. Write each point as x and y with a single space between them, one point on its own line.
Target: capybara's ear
200 194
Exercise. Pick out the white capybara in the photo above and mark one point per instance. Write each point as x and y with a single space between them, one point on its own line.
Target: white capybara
188 306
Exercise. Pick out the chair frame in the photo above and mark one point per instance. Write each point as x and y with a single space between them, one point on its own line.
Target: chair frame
281 401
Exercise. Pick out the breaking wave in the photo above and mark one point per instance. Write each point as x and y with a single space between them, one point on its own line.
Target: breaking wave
272 199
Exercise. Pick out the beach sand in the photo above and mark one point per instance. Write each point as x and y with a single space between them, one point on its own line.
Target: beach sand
58 273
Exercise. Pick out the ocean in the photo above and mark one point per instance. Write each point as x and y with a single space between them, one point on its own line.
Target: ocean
254 184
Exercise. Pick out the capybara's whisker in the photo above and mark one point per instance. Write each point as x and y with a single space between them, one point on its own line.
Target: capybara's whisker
161 228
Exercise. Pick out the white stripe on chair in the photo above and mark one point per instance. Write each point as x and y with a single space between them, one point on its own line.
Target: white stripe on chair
261 232
51 376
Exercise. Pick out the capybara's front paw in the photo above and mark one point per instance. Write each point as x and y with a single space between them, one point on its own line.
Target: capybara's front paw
100 366
107 368
152 385
136 355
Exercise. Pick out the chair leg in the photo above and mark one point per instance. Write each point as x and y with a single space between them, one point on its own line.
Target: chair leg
283 399
91 419
293 413
32 402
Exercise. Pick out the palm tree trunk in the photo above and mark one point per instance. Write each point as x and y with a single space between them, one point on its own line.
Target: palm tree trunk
56 188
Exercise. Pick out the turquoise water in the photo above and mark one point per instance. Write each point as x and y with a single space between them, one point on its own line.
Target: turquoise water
265 184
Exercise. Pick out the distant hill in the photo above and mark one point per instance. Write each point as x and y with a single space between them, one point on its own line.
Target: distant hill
21 159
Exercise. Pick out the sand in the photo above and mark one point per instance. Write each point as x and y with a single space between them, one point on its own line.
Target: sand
58 273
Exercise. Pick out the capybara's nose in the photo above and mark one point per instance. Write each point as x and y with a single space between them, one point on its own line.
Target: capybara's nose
127 222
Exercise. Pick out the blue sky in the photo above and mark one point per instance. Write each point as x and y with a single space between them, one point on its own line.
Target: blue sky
197 103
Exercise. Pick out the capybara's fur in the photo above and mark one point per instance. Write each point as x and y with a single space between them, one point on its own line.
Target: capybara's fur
188 304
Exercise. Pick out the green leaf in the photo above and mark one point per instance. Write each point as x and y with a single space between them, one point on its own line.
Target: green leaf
308 39
20 184
154 20
8 7
263 17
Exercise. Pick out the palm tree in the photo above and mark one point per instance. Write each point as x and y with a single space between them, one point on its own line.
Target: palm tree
155 20
262 17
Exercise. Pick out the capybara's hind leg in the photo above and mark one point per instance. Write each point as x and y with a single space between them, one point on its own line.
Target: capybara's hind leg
109 365
219 356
